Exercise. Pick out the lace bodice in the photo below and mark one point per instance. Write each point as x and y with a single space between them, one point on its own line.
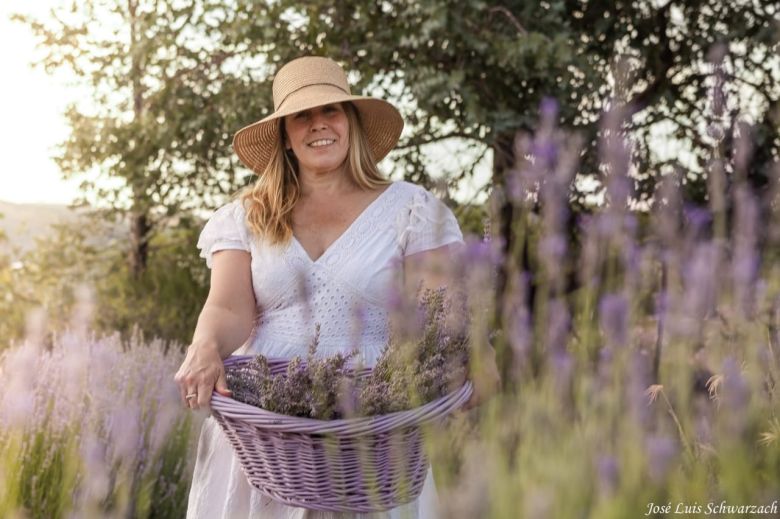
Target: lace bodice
346 289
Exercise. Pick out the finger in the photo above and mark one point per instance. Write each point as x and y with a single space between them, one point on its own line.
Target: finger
184 387
221 386
192 401
204 395
184 391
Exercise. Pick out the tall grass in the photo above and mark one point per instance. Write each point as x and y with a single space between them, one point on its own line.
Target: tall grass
92 427
649 384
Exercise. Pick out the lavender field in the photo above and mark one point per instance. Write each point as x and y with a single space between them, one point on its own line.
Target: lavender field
643 351
92 427
627 273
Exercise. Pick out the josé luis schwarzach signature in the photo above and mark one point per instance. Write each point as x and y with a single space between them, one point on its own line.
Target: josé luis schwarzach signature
710 508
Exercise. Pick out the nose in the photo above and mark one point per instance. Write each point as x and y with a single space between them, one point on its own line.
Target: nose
317 122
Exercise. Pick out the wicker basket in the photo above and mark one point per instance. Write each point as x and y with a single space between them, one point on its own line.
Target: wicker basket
368 464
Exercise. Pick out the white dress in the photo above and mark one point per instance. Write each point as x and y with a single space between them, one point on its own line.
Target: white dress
346 291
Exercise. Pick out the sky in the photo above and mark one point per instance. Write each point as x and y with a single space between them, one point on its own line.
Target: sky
31 107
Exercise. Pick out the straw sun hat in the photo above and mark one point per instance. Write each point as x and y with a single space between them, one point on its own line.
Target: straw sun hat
306 83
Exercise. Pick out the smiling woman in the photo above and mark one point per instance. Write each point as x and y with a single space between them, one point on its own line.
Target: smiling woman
318 138
32 103
320 241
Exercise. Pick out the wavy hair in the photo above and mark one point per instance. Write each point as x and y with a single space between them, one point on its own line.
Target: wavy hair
270 200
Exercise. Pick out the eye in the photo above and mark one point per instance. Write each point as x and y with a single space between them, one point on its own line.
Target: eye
301 115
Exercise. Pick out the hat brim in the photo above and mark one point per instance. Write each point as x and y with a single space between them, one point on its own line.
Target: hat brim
382 123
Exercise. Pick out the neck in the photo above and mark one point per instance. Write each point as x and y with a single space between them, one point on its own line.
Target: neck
329 183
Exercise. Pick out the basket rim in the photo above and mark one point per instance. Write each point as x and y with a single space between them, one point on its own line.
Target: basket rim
230 408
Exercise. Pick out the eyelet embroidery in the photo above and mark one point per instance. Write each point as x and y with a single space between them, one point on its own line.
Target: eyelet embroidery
295 293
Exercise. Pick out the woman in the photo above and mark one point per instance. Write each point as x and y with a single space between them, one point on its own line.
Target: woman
316 240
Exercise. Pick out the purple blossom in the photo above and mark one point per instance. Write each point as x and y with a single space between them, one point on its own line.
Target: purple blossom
558 325
97 485
613 317
701 281
746 260
661 452
735 396
19 380
553 248
548 110
563 369
520 337
638 383
545 147
479 252
697 219
608 472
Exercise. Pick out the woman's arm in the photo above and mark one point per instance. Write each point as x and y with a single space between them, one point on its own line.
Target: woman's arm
224 324
433 269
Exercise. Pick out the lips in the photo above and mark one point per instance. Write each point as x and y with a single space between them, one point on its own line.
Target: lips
319 143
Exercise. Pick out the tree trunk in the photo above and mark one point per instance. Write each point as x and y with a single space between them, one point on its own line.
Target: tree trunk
139 220
503 161
139 243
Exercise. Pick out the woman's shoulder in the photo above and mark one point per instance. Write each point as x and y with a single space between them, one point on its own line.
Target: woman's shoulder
225 229
417 195
409 187
408 192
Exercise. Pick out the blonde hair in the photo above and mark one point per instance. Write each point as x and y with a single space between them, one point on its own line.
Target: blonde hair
269 202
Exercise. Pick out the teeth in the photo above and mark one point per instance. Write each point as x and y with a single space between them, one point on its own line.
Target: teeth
321 142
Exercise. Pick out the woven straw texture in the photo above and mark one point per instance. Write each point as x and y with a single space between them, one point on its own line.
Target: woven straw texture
306 83
369 464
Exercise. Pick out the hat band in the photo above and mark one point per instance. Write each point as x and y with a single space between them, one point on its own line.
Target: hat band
279 106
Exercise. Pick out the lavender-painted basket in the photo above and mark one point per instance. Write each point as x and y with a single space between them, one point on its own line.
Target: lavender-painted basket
368 464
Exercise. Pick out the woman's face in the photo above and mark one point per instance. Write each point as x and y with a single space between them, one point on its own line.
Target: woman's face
319 138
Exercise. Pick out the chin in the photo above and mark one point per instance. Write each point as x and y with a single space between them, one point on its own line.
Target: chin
323 166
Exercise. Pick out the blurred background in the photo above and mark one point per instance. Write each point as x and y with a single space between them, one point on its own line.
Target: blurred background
124 113
615 162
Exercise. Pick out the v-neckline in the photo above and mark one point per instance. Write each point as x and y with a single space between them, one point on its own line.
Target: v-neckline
346 231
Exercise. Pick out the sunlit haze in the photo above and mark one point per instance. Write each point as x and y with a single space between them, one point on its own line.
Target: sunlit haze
31 104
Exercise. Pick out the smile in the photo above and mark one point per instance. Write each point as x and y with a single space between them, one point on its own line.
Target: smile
321 142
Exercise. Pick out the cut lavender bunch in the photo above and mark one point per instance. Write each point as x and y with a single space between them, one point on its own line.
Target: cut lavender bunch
250 383
406 374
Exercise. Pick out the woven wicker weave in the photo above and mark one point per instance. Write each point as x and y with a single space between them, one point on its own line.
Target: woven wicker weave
365 464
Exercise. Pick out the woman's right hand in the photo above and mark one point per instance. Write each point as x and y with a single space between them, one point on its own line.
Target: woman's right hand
200 374
224 324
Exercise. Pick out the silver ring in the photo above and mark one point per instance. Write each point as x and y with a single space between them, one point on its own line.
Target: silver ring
191 395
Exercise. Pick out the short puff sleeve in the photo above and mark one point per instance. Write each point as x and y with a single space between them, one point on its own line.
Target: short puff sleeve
226 229
427 224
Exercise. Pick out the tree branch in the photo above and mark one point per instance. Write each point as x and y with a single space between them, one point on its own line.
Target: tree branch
503 10
437 138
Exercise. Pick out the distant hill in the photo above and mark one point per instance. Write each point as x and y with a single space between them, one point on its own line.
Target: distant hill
22 223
